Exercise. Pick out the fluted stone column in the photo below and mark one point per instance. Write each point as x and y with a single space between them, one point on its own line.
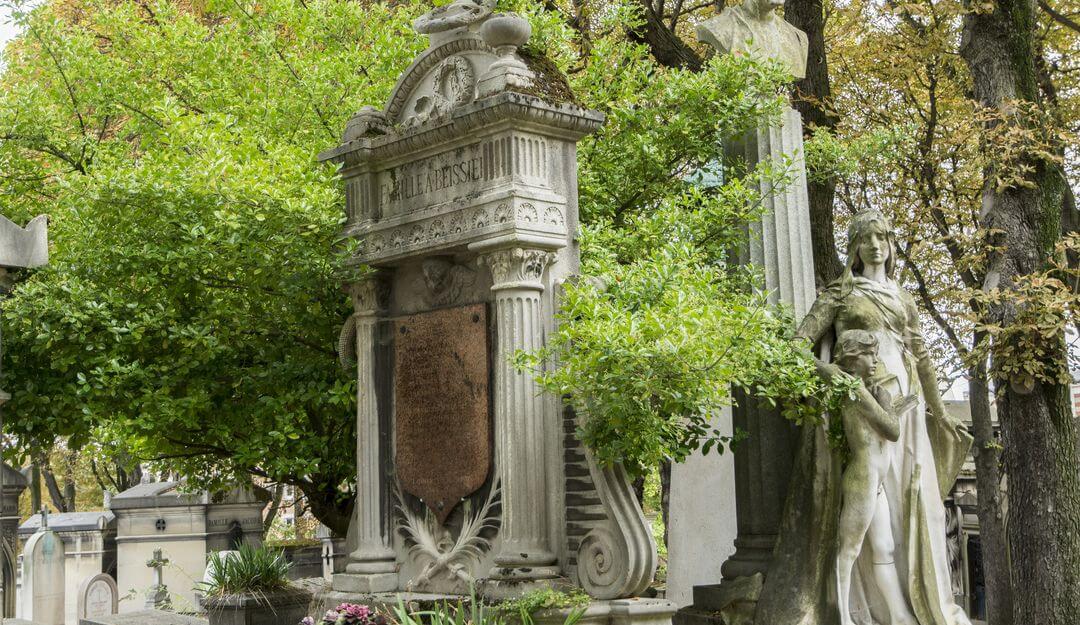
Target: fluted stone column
779 244
372 566
524 552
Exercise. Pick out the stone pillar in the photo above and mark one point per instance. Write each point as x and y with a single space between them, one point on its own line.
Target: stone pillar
778 244
372 566
517 283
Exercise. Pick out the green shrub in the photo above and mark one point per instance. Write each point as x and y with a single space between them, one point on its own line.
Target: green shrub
248 570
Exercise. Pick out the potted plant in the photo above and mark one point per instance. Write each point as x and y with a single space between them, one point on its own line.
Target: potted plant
250 587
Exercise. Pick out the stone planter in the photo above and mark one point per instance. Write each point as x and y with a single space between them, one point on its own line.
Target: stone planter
284 607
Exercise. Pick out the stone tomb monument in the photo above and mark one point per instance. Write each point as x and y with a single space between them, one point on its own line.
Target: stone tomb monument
41 598
461 194
98 596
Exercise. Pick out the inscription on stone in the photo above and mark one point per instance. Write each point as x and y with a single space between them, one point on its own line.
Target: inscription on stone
98 596
442 422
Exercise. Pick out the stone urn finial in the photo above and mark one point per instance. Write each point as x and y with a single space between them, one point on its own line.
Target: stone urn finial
506 33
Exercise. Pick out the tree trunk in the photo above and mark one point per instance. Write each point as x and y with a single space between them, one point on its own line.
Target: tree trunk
35 488
666 46
275 505
988 480
332 508
812 97
1039 433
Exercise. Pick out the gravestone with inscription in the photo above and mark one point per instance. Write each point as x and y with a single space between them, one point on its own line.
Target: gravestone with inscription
98 596
461 194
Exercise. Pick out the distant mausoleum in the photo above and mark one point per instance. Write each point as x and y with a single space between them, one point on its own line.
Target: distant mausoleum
185 526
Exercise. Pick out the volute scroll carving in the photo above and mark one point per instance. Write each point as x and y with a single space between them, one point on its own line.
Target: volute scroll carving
617 558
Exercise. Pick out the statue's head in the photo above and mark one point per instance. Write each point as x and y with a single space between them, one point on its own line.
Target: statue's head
856 352
871 240
764 7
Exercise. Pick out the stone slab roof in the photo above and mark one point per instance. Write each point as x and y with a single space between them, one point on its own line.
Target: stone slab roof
156 495
70 521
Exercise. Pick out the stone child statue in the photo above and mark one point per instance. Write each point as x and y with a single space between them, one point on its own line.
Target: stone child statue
871 423
754 29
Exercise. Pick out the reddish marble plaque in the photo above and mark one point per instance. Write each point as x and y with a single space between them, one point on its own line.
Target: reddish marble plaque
442 425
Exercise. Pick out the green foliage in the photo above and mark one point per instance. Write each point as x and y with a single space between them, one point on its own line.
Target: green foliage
544 599
247 570
191 307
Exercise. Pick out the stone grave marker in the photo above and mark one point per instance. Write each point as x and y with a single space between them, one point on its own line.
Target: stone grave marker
42 595
98 596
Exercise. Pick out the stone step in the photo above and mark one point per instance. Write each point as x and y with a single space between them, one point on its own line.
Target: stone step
579 485
579 529
586 513
583 499
577 469
573 454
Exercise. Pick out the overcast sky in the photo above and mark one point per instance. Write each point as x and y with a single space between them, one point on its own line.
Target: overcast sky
7 29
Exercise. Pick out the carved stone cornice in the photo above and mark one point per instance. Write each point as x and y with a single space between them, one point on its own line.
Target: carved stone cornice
567 121
518 268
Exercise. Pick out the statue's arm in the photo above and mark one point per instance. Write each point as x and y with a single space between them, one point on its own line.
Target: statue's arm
816 324
875 409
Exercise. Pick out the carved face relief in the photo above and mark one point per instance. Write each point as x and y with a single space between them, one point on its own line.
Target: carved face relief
445 281
873 246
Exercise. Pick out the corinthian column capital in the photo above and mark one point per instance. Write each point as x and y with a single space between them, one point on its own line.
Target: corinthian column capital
368 295
518 268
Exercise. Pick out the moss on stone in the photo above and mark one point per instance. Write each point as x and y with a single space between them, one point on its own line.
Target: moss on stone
550 83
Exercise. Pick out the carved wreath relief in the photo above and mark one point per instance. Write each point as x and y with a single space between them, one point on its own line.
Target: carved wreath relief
454 85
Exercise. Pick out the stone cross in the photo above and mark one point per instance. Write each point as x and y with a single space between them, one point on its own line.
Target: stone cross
157 597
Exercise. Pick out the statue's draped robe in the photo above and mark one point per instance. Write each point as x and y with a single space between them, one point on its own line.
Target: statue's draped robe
800 588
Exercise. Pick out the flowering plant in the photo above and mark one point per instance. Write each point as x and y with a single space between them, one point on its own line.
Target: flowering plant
348 614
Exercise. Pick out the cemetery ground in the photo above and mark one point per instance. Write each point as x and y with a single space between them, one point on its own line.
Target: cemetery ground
613 312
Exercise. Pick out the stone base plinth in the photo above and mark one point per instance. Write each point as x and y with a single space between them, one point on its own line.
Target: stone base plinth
731 602
614 612
365 583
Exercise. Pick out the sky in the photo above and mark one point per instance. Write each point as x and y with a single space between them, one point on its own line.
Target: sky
7 29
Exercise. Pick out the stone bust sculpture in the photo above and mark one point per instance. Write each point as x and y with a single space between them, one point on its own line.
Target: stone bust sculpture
754 29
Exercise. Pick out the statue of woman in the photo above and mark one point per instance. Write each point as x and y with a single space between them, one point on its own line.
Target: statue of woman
803 583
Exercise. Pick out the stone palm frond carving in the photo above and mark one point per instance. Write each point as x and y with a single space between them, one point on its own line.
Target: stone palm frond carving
346 347
433 543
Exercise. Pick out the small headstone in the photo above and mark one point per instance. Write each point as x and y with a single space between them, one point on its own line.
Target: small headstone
98 596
